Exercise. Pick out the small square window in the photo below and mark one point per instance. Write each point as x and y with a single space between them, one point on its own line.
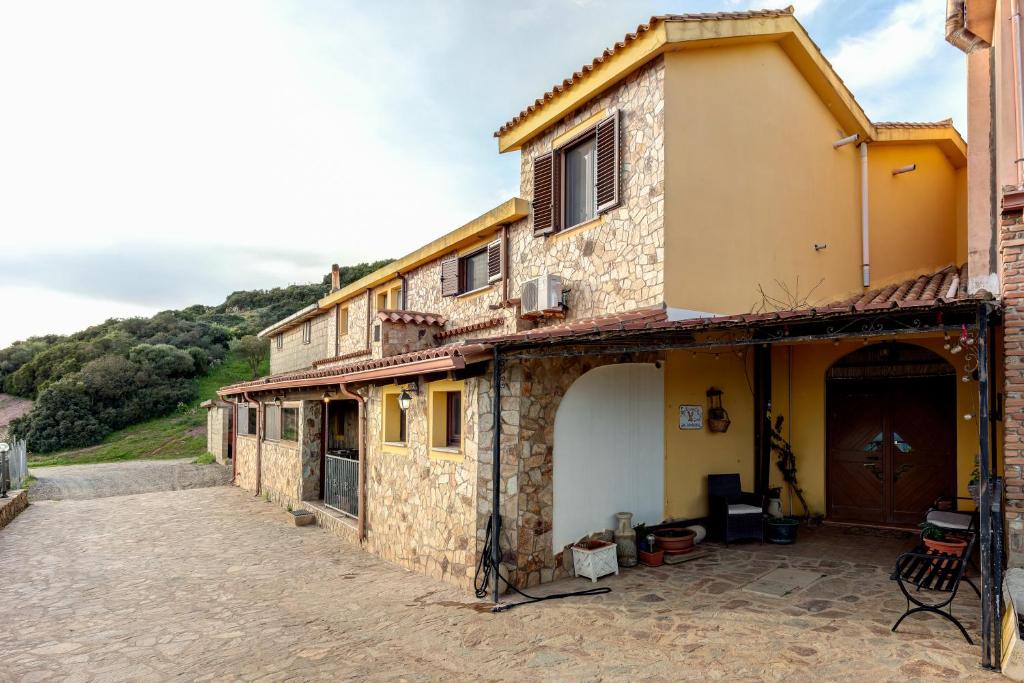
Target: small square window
446 420
342 322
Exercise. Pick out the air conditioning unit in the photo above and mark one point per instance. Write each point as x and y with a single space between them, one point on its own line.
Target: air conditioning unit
541 293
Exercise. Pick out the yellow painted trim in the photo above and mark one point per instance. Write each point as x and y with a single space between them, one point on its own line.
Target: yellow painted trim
482 226
438 452
576 130
947 139
394 449
682 35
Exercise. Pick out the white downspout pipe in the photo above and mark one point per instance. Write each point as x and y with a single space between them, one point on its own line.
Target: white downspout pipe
865 241
1018 86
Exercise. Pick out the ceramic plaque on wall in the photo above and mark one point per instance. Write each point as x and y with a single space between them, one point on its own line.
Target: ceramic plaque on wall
691 417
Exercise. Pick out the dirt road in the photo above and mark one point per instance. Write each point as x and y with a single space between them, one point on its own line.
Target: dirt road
75 482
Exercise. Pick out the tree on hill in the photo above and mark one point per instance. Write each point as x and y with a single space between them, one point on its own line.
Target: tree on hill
254 350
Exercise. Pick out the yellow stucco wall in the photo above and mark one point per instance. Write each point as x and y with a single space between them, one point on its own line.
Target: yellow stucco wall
753 183
691 455
914 217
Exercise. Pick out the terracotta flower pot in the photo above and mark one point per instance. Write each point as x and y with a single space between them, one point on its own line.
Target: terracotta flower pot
674 541
950 546
655 559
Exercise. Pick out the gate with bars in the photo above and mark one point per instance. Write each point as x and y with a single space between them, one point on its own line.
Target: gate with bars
341 482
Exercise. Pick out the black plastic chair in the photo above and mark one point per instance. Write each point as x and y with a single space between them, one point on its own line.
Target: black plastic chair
735 514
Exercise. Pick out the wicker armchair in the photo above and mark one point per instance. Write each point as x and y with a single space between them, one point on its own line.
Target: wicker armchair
734 514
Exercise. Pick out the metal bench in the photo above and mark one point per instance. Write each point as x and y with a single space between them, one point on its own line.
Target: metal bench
936 574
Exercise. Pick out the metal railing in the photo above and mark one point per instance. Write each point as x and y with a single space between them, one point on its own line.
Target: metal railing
341 482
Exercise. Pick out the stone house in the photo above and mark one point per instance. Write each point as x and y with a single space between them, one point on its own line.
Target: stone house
704 207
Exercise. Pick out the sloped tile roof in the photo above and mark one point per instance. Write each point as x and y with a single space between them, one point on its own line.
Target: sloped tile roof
584 70
413 317
457 350
944 123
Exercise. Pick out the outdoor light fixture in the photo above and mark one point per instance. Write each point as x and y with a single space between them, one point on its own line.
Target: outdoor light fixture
404 400
327 397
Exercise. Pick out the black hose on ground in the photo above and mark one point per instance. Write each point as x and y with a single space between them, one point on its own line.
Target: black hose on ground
483 577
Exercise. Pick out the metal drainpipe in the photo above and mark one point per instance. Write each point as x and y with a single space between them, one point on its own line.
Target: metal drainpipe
957 33
989 620
1018 86
865 230
361 498
234 442
496 475
259 443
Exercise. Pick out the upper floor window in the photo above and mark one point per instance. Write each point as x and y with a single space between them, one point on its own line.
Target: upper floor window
342 321
579 180
307 331
472 271
279 341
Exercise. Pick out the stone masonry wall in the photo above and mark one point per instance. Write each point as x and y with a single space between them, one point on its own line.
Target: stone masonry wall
420 510
531 393
310 435
218 431
245 467
281 470
295 355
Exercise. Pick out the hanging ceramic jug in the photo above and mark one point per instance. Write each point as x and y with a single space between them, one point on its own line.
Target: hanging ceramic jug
625 539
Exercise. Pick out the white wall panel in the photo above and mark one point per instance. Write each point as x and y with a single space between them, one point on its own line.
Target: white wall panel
609 451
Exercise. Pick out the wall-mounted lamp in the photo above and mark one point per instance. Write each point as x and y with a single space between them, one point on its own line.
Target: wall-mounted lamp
327 397
405 398
904 169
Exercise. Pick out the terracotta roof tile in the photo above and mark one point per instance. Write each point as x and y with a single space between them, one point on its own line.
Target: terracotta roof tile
412 317
585 70
472 327
944 123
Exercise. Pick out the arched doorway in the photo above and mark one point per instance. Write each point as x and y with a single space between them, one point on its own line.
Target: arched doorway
891 434
609 453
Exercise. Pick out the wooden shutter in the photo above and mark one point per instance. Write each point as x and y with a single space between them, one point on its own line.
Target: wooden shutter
243 419
494 261
450 275
544 215
607 176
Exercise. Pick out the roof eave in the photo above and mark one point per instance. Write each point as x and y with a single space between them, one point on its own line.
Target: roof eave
673 35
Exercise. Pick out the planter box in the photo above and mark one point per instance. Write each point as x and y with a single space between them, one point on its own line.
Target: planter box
302 517
594 559
655 559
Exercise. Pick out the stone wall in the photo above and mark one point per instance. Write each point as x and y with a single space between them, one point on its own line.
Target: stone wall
531 393
310 441
12 506
281 470
355 338
245 465
296 355
420 509
218 430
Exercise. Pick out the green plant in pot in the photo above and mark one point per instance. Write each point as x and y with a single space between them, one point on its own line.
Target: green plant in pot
941 540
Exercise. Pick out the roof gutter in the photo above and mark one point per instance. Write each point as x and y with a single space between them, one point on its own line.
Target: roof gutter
957 33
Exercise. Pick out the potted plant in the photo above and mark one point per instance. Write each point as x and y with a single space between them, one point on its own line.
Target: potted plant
972 484
782 530
594 559
940 540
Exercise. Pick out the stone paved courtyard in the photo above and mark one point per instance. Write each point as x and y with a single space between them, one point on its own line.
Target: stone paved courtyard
213 584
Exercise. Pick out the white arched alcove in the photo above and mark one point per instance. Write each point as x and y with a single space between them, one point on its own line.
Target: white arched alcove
609 451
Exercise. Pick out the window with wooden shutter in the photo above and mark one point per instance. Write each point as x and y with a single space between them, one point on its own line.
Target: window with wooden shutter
450 275
494 261
607 176
544 194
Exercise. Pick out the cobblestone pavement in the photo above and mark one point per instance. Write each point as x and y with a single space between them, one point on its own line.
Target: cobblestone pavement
66 482
213 583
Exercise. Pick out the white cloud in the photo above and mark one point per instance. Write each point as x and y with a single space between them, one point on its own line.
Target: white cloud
907 37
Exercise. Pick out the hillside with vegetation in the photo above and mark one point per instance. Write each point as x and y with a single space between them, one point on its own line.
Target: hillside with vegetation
98 389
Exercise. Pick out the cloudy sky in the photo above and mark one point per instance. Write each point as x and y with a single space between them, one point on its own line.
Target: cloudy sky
159 154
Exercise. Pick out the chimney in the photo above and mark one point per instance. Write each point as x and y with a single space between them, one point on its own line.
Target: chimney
335 277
